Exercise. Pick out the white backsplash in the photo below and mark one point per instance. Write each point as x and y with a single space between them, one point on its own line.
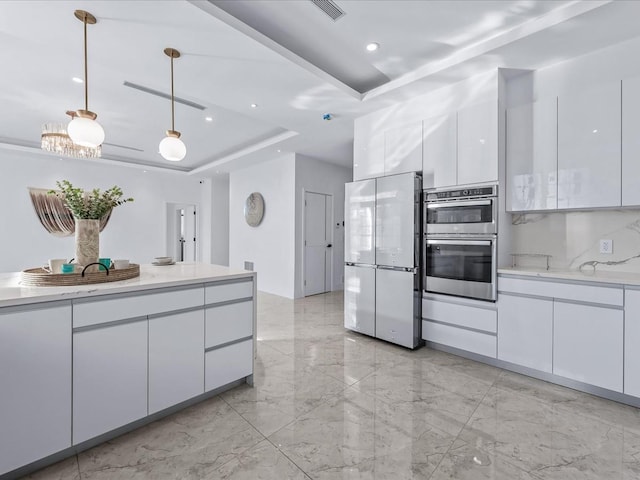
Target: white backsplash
573 238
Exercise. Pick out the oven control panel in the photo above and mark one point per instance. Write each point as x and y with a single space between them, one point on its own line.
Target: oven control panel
462 193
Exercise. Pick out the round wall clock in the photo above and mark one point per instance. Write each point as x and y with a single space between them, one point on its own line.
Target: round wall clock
254 209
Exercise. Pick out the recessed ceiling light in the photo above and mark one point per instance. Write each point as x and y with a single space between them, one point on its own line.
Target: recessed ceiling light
144 171
208 119
77 80
372 47
278 150
254 105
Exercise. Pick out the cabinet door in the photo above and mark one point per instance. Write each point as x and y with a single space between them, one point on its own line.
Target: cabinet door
360 299
176 358
439 151
228 364
630 141
403 149
478 143
109 378
587 344
395 307
368 155
525 331
532 156
35 379
589 157
360 221
632 342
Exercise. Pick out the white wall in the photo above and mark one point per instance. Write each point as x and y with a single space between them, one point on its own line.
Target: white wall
270 245
136 231
320 177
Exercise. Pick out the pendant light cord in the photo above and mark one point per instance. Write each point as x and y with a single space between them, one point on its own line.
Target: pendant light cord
172 100
86 74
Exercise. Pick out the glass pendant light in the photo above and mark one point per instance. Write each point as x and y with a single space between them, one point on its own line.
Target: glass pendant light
83 129
171 147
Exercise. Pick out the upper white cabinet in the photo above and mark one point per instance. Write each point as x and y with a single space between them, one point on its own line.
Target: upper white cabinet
532 156
403 149
368 155
630 141
439 151
478 143
35 379
589 156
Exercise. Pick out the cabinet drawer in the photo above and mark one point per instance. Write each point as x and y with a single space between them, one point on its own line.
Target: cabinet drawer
227 323
122 307
228 364
462 315
476 342
228 291
562 291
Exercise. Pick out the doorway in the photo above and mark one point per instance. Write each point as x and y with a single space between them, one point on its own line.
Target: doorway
318 208
181 232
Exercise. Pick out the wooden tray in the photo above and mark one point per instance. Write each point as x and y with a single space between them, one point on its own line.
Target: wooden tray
39 277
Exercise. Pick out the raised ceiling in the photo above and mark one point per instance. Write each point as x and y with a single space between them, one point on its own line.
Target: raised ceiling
286 56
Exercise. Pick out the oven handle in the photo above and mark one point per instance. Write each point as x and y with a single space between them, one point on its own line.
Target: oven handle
460 203
459 242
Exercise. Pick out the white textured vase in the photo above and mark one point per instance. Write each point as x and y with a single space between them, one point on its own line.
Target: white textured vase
87 242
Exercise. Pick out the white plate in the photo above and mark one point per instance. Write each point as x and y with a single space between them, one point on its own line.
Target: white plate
163 263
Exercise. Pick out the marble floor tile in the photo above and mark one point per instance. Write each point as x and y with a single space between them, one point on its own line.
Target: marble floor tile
328 403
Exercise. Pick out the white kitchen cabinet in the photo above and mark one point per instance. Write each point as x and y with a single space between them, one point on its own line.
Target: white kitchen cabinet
589 147
461 338
532 156
403 149
632 342
478 143
368 155
109 377
439 151
630 141
588 344
228 323
227 364
35 383
525 331
176 358
360 299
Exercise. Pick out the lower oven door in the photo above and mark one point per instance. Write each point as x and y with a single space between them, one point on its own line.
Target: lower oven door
461 266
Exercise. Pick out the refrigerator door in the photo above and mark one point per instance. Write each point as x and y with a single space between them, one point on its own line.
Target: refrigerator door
397 229
360 299
398 307
360 216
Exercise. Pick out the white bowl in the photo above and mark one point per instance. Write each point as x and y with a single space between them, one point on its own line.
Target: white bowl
164 259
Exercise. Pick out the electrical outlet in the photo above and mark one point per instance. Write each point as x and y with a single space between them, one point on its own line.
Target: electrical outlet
606 246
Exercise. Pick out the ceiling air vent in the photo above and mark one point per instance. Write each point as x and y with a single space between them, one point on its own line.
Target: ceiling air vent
158 93
330 8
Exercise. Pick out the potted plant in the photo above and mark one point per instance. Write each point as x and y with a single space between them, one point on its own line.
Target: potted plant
87 209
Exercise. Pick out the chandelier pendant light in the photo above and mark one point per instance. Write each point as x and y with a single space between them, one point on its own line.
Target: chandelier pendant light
55 139
83 128
171 147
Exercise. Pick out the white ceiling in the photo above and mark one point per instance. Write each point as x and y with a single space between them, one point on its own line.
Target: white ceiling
285 55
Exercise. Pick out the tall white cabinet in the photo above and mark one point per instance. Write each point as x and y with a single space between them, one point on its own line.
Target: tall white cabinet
478 143
439 151
35 383
403 149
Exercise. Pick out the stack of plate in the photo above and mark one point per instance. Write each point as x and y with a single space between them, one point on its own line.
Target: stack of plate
163 261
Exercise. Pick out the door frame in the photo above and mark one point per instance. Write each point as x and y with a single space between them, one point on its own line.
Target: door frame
304 238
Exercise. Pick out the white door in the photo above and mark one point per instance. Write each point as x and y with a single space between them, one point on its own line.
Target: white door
360 217
189 233
395 220
181 232
317 243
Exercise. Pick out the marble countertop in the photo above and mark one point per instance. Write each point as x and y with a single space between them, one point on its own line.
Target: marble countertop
588 275
151 276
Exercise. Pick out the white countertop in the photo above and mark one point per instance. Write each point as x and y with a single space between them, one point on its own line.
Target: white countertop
588 275
151 276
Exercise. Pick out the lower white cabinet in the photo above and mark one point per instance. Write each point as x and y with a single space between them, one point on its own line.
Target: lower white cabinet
35 384
176 358
109 377
228 323
525 327
588 344
226 364
632 342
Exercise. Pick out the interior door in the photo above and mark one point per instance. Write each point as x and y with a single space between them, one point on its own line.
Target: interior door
190 233
317 243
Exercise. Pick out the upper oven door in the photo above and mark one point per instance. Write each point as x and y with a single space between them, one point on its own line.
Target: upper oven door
461 216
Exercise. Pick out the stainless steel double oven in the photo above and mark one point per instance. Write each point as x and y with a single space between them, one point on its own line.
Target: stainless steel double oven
460 241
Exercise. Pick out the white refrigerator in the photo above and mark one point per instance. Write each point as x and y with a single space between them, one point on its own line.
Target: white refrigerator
382 258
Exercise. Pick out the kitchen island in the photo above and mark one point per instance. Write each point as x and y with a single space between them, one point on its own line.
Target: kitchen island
80 365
